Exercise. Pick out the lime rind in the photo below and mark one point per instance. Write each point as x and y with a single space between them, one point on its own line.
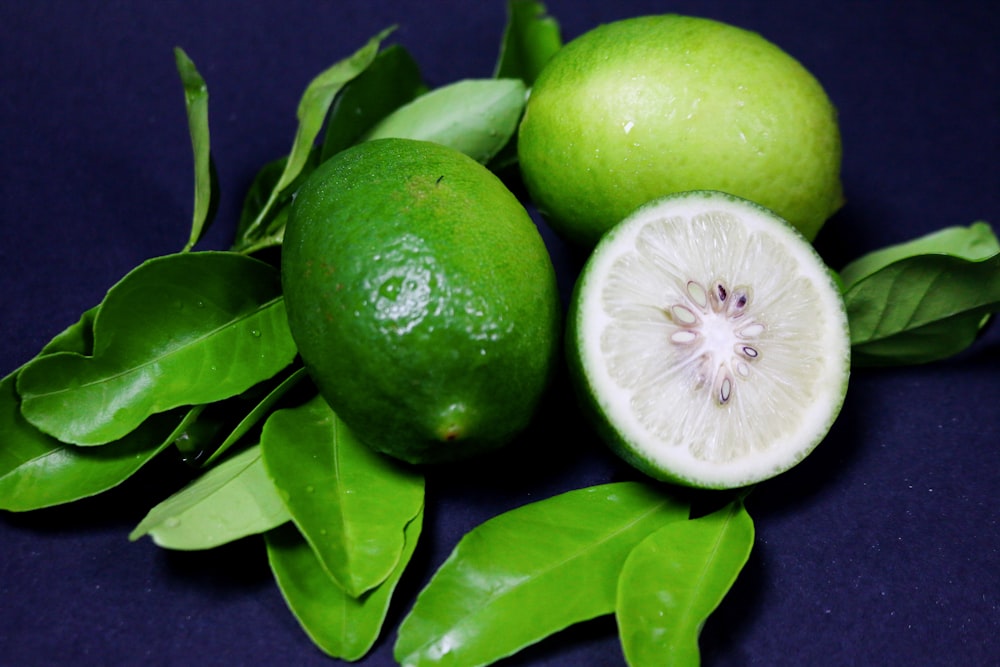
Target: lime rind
735 419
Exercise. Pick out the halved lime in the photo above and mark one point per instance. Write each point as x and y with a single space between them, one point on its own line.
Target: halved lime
709 340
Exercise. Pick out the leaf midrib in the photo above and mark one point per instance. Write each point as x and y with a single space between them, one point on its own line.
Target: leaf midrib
590 547
188 343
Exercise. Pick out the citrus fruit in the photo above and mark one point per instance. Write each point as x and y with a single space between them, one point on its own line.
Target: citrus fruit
421 297
709 341
648 106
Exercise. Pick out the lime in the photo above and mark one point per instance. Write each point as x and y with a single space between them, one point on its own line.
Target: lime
709 341
421 297
648 106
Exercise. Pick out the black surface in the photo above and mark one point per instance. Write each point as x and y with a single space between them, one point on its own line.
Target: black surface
881 549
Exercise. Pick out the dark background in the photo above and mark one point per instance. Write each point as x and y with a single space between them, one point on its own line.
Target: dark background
880 549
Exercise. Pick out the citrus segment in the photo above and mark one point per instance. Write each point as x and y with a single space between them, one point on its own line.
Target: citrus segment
710 341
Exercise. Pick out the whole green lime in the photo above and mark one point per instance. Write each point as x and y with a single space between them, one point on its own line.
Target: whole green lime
422 299
649 106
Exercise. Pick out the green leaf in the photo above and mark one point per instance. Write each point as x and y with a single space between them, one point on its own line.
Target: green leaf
350 503
312 110
974 243
342 626
674 579
258 194
261 407
271 228
220 425
922 300
78 337
38 471
392 80
230 501
178 330
196 103
921 308
931 342
530 572
476 116
530 38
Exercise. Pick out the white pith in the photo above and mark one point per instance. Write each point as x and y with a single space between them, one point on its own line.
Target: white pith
718 392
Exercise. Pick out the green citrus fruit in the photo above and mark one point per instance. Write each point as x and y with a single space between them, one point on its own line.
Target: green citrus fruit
709 341
422 299
644 107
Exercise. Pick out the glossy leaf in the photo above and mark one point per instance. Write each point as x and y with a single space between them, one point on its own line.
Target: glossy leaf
475 116
271 223
975 242
258 194
196 104
350 503
78 337
342 626
38 471
674 579
261 409
530 572
930 342
921 308
178 330
312 111
392 80
234 499
530 38
220 425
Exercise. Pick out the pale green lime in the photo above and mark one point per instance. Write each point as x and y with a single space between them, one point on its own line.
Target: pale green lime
648 106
